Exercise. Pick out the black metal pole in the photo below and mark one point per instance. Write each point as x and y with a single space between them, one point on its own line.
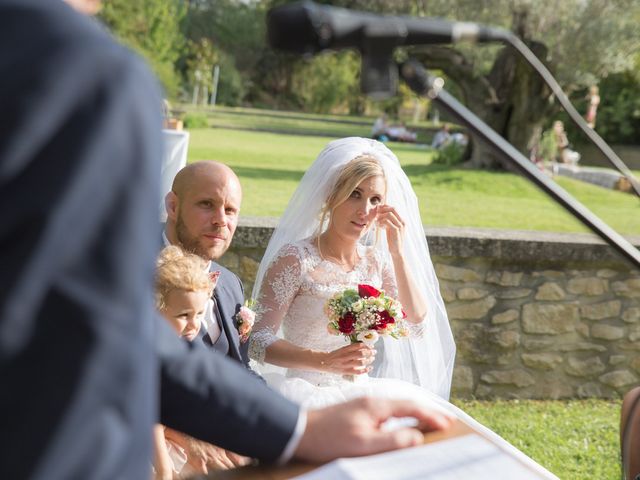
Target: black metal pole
423 83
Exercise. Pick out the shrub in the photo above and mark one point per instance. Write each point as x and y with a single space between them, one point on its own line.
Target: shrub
450 154
195 120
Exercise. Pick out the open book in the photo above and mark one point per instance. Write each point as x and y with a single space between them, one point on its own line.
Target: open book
470 456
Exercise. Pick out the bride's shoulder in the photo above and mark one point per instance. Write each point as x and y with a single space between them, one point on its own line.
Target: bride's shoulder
299 250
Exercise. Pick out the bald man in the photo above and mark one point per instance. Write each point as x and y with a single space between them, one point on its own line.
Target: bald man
202 216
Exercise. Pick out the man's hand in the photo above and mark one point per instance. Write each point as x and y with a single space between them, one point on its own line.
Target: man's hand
353 428
203 456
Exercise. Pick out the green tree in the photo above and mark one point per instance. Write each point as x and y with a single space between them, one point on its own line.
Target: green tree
325 81
152 28
579 40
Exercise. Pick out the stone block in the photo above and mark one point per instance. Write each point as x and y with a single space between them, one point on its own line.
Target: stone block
599 311
583 329
505 359
506 339
550 291
606 332
471 310
230 260
448 293
537 344
584 367
462 381
627 288
248 268
456 274
549 318
588 286
634 333
485 391
513 293
519 378
618 359
628 346
472 344
553 390
582 347
550 274
505 317
635 363
631 315
618 378
505 278
606 273
541 361
589 390
468 293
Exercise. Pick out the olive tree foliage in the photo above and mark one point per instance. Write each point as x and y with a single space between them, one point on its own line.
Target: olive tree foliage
580 41
152 28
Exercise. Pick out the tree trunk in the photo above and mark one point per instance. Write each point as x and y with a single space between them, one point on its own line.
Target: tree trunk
512 99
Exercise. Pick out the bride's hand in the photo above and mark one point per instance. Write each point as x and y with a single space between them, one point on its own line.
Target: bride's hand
389 219
354 359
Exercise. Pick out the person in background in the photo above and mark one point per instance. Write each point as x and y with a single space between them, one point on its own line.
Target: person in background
379 129
442 137
594 100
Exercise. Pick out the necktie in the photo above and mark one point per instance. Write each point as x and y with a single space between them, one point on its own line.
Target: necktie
211 320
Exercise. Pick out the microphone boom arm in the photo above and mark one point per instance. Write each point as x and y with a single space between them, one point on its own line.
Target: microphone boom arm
421 82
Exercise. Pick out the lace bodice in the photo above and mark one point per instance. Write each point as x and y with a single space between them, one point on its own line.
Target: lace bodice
295 290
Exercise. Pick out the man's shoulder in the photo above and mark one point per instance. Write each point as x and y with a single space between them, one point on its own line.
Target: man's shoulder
58 35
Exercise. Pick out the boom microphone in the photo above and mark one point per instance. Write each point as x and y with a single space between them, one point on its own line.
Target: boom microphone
305 27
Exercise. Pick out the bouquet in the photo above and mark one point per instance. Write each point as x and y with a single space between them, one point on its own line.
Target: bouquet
364 315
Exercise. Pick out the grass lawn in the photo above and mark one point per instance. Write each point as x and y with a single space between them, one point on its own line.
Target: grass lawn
271 164
573 439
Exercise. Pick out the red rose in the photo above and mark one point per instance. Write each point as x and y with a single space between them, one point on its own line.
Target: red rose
368 291
404 315
384 320
346 323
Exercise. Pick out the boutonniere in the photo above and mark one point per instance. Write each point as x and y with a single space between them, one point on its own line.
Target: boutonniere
213 276
245 319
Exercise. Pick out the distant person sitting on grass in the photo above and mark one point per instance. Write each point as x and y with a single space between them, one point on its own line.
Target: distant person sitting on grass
379 129
565 153
384 132
442 137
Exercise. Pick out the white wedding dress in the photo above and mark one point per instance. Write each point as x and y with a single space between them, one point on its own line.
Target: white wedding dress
291 307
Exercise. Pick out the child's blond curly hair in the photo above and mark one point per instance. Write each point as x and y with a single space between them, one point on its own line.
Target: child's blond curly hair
176 269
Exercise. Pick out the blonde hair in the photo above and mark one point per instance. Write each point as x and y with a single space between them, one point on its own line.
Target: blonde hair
176 269
353 173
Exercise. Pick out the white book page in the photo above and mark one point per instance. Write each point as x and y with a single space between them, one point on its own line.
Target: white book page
461 458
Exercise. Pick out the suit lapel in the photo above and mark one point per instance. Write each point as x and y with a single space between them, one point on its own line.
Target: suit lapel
225 313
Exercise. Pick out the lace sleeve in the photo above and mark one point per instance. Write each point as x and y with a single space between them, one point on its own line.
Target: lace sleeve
389 284
390 287
279 287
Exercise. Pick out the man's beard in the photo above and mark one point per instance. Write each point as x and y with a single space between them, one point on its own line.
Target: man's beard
188 242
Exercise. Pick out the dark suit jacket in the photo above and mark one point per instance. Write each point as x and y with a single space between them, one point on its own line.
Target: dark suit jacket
229 297
80 345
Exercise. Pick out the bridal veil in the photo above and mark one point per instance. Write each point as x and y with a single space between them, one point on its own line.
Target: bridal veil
426 360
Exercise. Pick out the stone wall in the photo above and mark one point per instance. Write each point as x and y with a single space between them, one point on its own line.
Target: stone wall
534 314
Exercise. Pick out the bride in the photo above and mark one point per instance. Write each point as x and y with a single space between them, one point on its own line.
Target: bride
353 219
